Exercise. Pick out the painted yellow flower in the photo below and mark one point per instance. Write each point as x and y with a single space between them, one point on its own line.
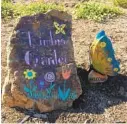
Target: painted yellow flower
29 74
103 44
115 69
109 59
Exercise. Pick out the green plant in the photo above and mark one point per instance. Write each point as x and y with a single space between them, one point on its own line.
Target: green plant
7 9
10 10
6 0
96 11
122 3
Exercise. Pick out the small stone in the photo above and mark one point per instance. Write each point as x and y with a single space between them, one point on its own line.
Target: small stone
40 116
94 30
120 122
109 102
121 91
126 94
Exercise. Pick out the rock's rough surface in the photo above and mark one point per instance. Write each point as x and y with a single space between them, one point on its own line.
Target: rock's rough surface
41 68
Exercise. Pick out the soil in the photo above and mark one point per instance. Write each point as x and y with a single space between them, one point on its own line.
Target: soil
103 103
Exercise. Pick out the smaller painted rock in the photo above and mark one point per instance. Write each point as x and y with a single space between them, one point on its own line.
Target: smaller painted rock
103 56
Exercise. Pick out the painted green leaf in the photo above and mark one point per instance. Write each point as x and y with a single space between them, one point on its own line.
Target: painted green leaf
52 86
26 89
34 88
67 94
63 96
60 92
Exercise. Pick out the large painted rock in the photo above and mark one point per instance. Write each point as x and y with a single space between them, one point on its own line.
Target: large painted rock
41 69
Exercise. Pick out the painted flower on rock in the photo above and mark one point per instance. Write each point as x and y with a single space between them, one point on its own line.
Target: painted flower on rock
66 74
49 77
115 69
29 74
103 44
109 59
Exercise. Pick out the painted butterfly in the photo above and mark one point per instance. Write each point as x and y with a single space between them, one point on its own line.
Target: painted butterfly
59 28
102 56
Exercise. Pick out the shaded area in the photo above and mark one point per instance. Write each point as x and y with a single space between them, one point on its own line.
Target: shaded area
100 95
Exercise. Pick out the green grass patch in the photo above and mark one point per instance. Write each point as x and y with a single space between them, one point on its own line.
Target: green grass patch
96 11
121 3
10 10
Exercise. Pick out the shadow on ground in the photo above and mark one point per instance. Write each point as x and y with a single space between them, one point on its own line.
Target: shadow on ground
99 96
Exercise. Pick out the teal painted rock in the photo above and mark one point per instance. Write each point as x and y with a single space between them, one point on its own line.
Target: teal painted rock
103 56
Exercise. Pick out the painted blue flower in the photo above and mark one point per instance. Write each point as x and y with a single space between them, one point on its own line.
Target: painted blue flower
41 83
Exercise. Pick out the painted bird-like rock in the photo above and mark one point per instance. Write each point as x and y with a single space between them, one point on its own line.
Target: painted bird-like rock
102 56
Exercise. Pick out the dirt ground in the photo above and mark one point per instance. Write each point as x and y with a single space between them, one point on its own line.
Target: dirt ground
104 103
